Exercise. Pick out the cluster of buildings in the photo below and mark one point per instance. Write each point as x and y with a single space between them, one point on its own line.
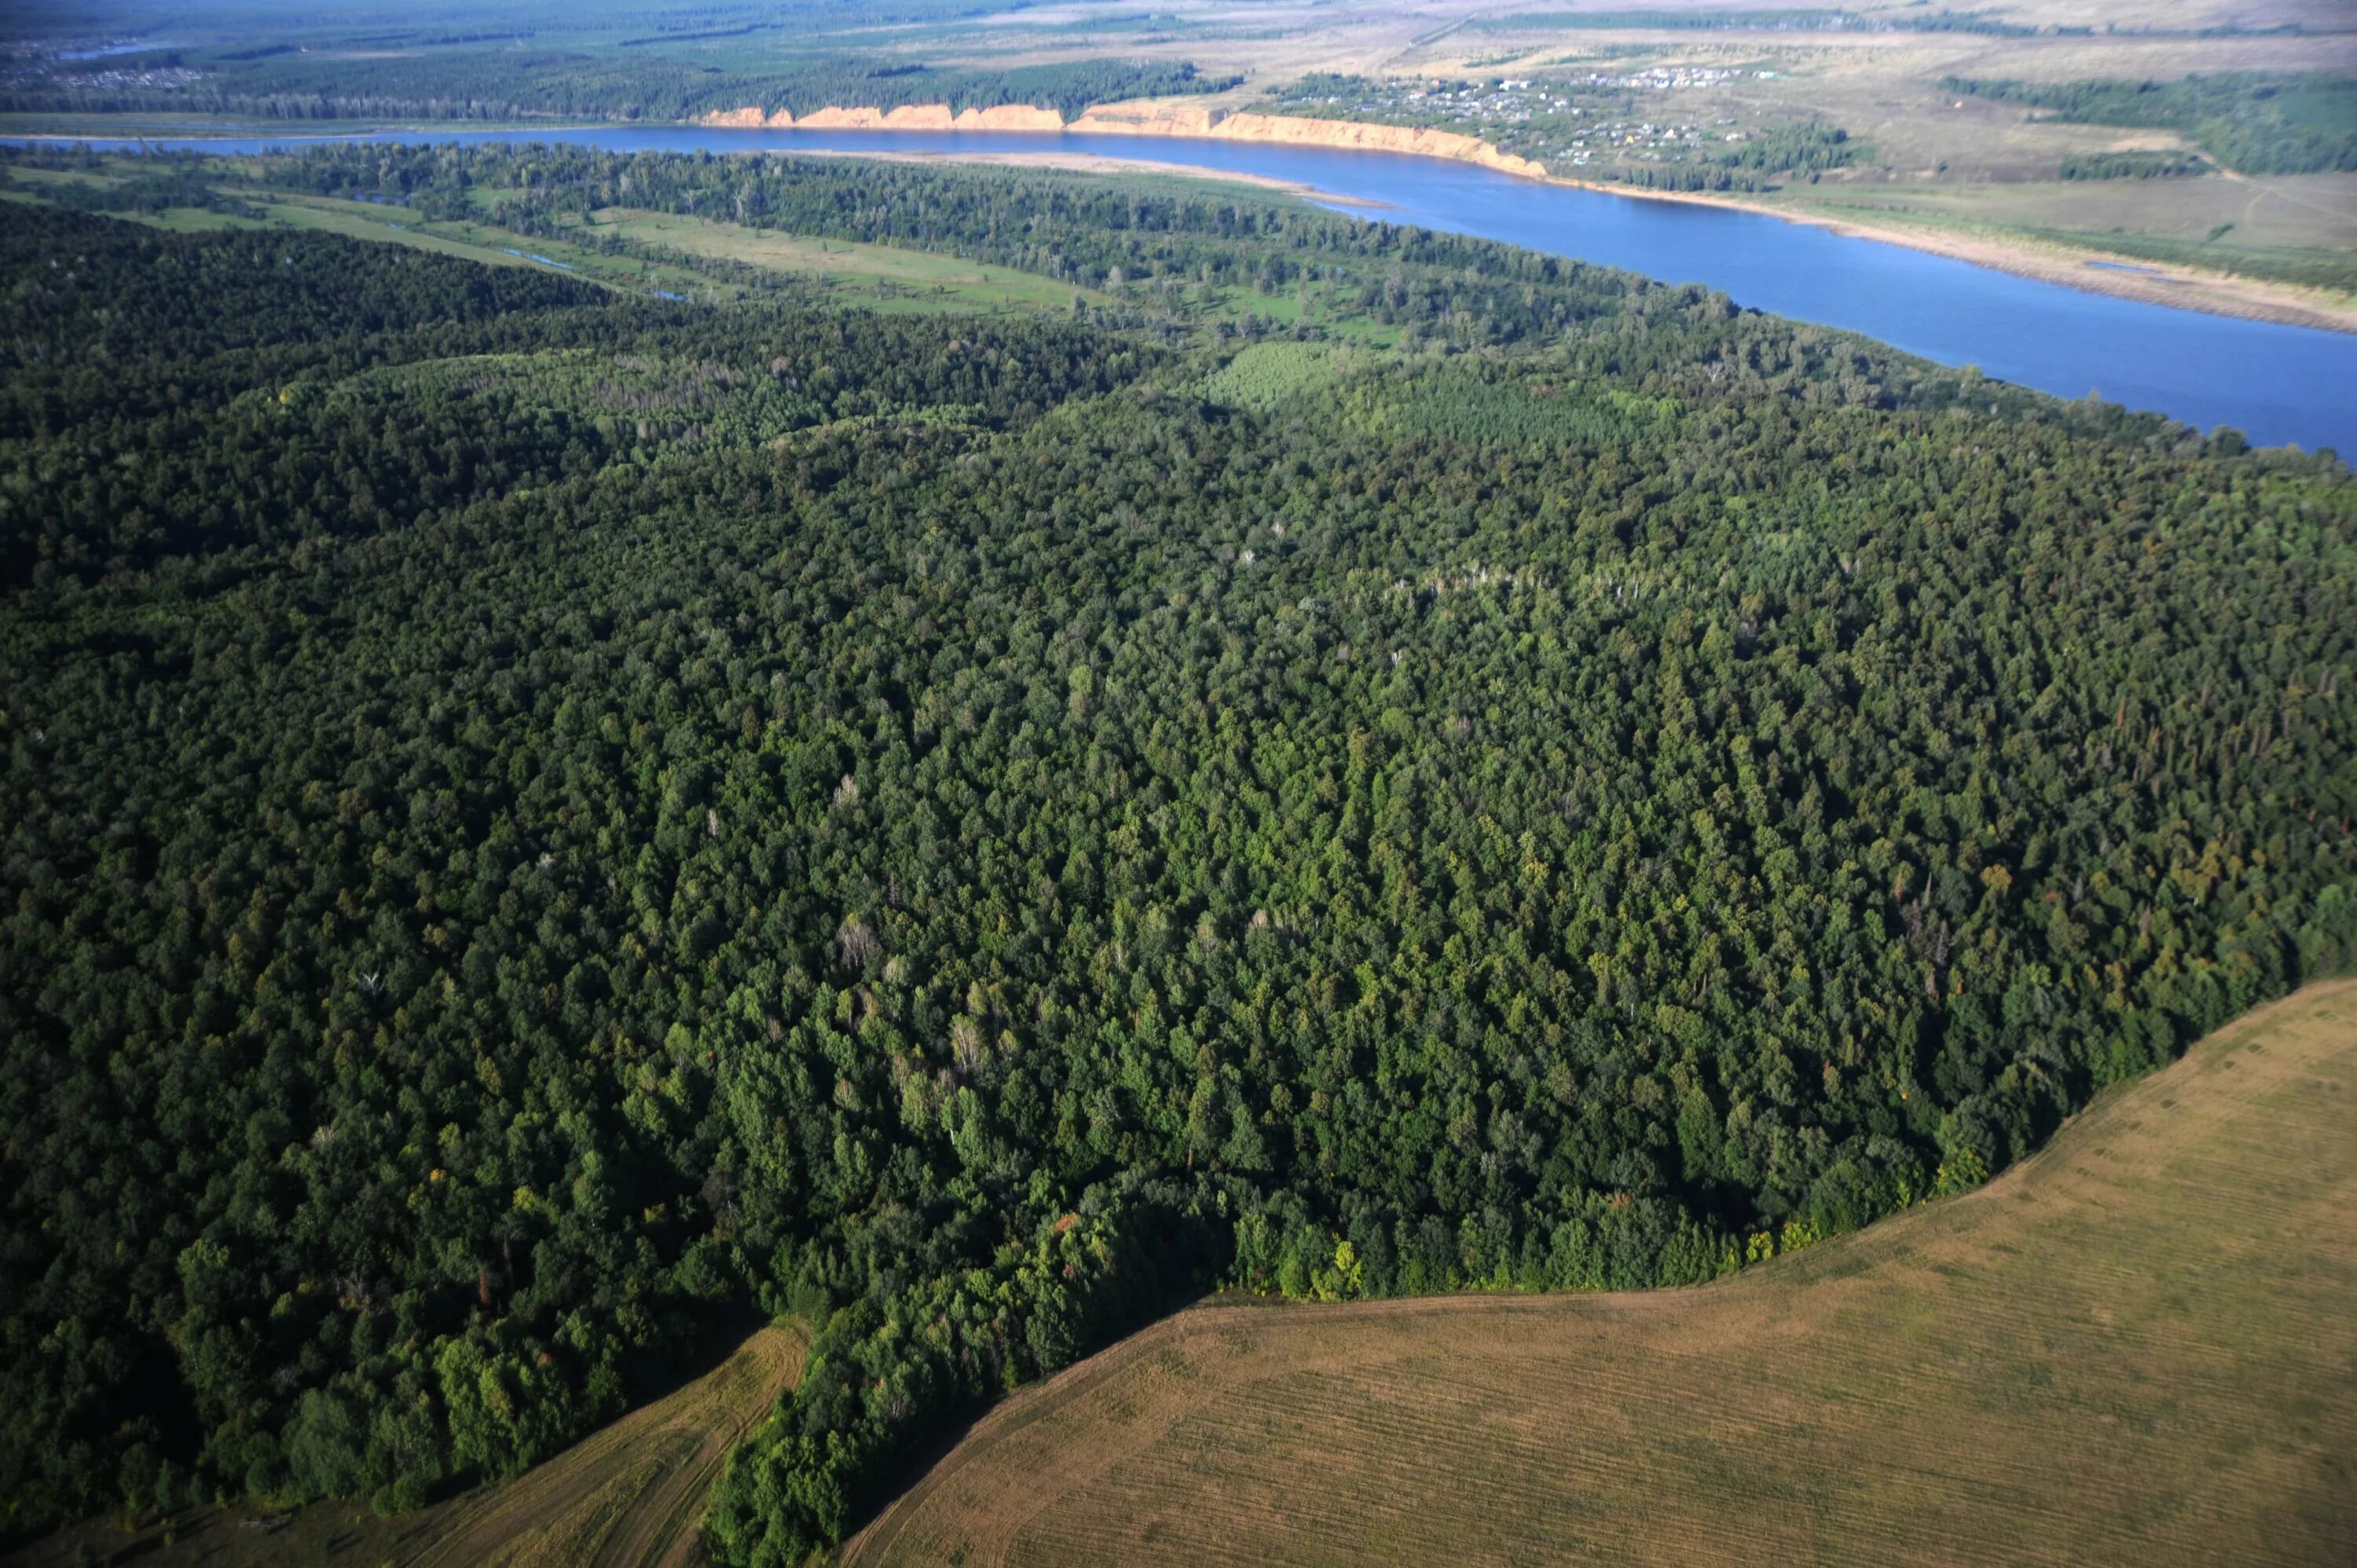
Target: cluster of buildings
83 71
1537 110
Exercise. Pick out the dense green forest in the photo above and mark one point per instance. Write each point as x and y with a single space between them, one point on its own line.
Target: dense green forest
537 819
2253 121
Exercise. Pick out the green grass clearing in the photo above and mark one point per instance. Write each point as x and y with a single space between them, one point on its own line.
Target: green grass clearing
886 276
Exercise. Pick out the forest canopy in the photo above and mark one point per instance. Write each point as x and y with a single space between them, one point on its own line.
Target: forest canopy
539 821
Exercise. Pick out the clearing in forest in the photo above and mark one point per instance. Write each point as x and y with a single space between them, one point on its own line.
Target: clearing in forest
859 273
2135 1348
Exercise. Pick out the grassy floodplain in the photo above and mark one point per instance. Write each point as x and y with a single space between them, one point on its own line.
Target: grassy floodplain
704 259
2132 1348
677 254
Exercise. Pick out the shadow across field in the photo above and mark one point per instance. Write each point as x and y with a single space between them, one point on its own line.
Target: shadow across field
2135 1347
630 1495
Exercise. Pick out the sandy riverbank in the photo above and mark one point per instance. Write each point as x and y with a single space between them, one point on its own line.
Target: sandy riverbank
2178 287
2150 283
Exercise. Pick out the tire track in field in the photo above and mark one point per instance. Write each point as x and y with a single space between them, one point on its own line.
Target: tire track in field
632 1494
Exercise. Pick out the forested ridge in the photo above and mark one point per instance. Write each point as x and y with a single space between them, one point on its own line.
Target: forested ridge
535 819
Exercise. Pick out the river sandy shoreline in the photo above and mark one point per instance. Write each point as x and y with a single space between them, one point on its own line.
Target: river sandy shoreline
2171 286
2180 288
2176 287
2147 283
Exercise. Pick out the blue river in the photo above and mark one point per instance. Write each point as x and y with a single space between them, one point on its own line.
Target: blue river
2277 384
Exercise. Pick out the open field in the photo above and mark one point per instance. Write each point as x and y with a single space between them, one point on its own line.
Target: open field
630 1495
2137 1347
2288 213
862 274
178 219
889 277
2227 243
1980 179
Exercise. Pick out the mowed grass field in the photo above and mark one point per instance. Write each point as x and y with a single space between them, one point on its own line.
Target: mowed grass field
630 1495
2138 1348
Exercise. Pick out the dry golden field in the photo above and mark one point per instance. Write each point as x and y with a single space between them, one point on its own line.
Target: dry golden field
2138 1348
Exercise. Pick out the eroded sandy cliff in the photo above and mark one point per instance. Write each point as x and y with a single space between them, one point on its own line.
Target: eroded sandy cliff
1295 131
1151 120
907 117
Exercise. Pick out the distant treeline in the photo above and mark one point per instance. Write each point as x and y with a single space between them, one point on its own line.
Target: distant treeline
2133 166
511 85
1761 161
1819 20
1069 88
2255 122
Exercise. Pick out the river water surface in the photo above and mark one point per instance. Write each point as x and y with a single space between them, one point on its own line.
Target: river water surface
2277 384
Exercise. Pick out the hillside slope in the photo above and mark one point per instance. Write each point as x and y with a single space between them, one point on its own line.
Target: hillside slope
2133 1348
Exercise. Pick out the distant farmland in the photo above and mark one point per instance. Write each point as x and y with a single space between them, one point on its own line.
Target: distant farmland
2138 1348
